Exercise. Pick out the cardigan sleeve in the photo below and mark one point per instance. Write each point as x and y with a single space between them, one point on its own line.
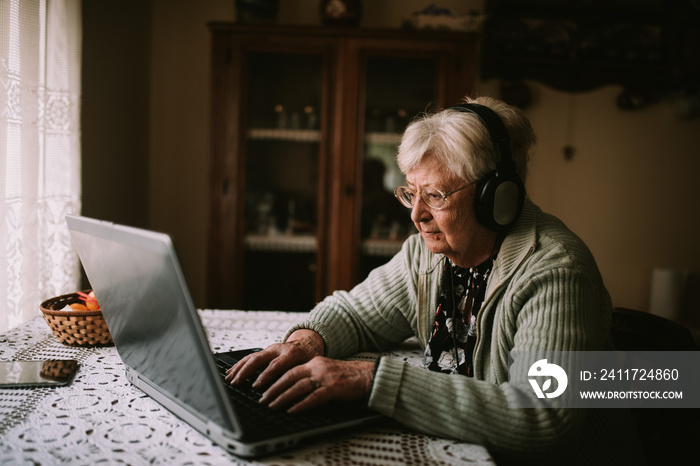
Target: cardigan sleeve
375 315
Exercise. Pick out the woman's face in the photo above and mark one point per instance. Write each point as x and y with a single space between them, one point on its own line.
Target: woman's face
453 231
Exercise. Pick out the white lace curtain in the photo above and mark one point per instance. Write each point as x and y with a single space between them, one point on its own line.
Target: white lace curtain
40 52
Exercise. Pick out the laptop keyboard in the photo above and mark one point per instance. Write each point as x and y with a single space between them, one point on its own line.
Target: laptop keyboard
261 422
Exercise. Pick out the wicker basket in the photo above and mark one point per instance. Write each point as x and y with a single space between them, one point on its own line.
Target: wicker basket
75 328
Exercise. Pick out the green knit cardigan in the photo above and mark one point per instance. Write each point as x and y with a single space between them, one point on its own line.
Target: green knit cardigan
545 293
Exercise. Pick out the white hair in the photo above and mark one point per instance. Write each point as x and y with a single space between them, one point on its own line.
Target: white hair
462 144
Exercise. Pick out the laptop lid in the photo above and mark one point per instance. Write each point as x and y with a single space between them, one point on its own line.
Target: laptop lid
155 327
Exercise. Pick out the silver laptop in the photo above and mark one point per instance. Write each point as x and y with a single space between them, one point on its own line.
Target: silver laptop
159 337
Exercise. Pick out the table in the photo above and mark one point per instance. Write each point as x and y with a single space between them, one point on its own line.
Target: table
102 419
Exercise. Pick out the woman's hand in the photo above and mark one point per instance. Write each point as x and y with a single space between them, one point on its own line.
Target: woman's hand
301 346
302 375
319 381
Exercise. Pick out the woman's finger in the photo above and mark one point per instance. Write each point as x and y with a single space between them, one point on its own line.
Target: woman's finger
249 364
288 357
317 396
273 361
284 383
302 388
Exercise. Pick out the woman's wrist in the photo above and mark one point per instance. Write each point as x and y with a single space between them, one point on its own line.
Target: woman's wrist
308 340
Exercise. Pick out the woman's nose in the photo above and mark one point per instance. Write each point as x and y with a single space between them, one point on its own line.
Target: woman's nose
420 212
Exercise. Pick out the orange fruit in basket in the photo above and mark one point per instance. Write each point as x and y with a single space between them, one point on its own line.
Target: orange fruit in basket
78 307
91 302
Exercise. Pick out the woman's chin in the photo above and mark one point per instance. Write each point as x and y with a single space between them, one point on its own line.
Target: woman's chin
434 241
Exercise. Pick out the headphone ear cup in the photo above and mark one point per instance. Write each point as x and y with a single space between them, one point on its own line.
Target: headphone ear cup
499 200
483 200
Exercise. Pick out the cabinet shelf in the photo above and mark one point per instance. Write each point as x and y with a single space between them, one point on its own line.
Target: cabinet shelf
289 135
305 135
381 247
281 243
292 244
388 139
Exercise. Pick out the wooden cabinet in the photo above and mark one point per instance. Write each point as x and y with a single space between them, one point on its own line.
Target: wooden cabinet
305 125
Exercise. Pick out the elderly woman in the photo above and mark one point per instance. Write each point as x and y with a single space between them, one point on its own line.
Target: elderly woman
488 273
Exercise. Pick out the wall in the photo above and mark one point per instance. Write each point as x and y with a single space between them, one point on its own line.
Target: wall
628 191
115 110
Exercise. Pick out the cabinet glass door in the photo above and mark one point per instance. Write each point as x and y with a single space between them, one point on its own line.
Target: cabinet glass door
396 90
281 180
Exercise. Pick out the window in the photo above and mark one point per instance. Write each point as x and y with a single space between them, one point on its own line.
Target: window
40 49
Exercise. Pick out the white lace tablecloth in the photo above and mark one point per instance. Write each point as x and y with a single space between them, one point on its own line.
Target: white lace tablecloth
102 419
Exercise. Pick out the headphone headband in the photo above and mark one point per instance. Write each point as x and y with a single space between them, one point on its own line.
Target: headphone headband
496 129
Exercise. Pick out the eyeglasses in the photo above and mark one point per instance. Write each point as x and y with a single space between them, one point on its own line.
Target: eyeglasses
433 198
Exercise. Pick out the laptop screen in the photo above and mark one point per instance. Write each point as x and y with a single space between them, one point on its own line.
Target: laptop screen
138 282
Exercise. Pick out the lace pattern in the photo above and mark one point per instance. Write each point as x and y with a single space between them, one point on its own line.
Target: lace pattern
40 49
102 418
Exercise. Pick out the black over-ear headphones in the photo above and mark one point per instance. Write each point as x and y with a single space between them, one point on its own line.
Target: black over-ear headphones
499 195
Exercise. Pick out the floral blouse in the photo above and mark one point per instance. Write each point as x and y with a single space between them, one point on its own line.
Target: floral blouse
451 344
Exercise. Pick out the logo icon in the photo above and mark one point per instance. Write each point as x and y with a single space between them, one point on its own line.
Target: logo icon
543 369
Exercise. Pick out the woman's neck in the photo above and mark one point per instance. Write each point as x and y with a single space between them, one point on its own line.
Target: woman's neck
484 247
